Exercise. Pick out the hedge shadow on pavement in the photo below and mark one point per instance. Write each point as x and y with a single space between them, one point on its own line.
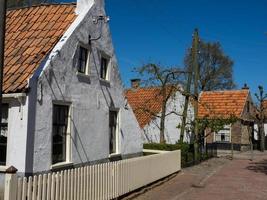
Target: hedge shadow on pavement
258 167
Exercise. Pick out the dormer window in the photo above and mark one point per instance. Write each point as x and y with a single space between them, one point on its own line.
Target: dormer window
104 65
83 61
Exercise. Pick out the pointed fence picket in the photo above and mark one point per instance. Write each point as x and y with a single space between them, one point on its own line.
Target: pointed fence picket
96 182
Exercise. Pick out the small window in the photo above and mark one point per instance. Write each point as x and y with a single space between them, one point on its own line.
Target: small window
113 132
83 61
60 133
248 107
3 134
223 135
104 68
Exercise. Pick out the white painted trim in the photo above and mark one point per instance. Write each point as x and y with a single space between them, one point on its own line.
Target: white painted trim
87 65
109 59
68 135
61 164
14 95
3 168
114 155
118 140
153 151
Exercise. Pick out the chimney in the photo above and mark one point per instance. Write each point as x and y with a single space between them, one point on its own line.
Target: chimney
84 6
135 83
245 87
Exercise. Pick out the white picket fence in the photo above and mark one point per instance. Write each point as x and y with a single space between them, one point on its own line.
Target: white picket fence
96 182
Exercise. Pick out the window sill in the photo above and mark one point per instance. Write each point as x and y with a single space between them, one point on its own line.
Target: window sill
61 165
83 77
104 82
114 155
3 168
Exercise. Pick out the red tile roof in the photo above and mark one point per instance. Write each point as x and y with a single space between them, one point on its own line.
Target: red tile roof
31 33
143 99
146 103
222 103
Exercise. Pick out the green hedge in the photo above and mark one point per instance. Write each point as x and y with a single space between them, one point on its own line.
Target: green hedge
187 152
167 147
187 156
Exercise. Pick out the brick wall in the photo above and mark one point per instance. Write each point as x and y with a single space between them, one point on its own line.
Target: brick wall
236 132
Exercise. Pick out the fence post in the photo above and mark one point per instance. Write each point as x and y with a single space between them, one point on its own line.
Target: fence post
10 183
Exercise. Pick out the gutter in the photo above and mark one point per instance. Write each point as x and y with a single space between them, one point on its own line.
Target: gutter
14 95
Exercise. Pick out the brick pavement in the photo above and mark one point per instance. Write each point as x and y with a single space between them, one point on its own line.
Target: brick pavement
218 179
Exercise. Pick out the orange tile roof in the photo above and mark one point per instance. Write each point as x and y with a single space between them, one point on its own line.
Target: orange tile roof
222 103
31 33
145 102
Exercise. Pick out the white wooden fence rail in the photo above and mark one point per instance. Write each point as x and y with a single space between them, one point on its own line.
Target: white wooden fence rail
96 182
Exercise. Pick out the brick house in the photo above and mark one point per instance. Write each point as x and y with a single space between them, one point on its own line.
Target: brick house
146 103
223 104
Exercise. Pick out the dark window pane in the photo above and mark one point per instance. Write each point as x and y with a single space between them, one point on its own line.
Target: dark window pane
3 134
104 67
3 146
60 125
83 54
112 131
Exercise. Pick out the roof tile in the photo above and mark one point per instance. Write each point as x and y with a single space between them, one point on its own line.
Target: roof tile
222 103
143 100
31 33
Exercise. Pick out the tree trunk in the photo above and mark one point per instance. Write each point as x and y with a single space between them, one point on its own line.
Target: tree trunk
163 115
262 136
186 103
162 123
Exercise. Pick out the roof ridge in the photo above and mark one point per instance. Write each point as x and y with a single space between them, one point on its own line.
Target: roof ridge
218 91
40 5
148 87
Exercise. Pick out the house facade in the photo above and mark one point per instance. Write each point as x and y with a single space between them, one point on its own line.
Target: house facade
63 102
146 103
256 132
225 104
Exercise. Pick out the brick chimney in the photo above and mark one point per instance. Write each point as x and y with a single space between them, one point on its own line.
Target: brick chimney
245 87
135 83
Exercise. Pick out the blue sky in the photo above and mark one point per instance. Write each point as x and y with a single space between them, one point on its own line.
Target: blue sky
161 31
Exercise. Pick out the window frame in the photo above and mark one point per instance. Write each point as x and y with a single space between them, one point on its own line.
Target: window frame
117 133
68 157
107 75
3 164
222 132
87 61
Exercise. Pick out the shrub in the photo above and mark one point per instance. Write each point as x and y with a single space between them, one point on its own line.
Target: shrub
187 156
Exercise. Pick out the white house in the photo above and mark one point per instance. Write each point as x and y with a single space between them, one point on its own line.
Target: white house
148 100
63 102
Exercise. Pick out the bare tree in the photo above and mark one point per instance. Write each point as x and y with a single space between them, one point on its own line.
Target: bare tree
215 68
260 116
167 80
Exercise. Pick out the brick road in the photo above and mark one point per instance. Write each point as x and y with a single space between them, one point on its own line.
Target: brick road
216 179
